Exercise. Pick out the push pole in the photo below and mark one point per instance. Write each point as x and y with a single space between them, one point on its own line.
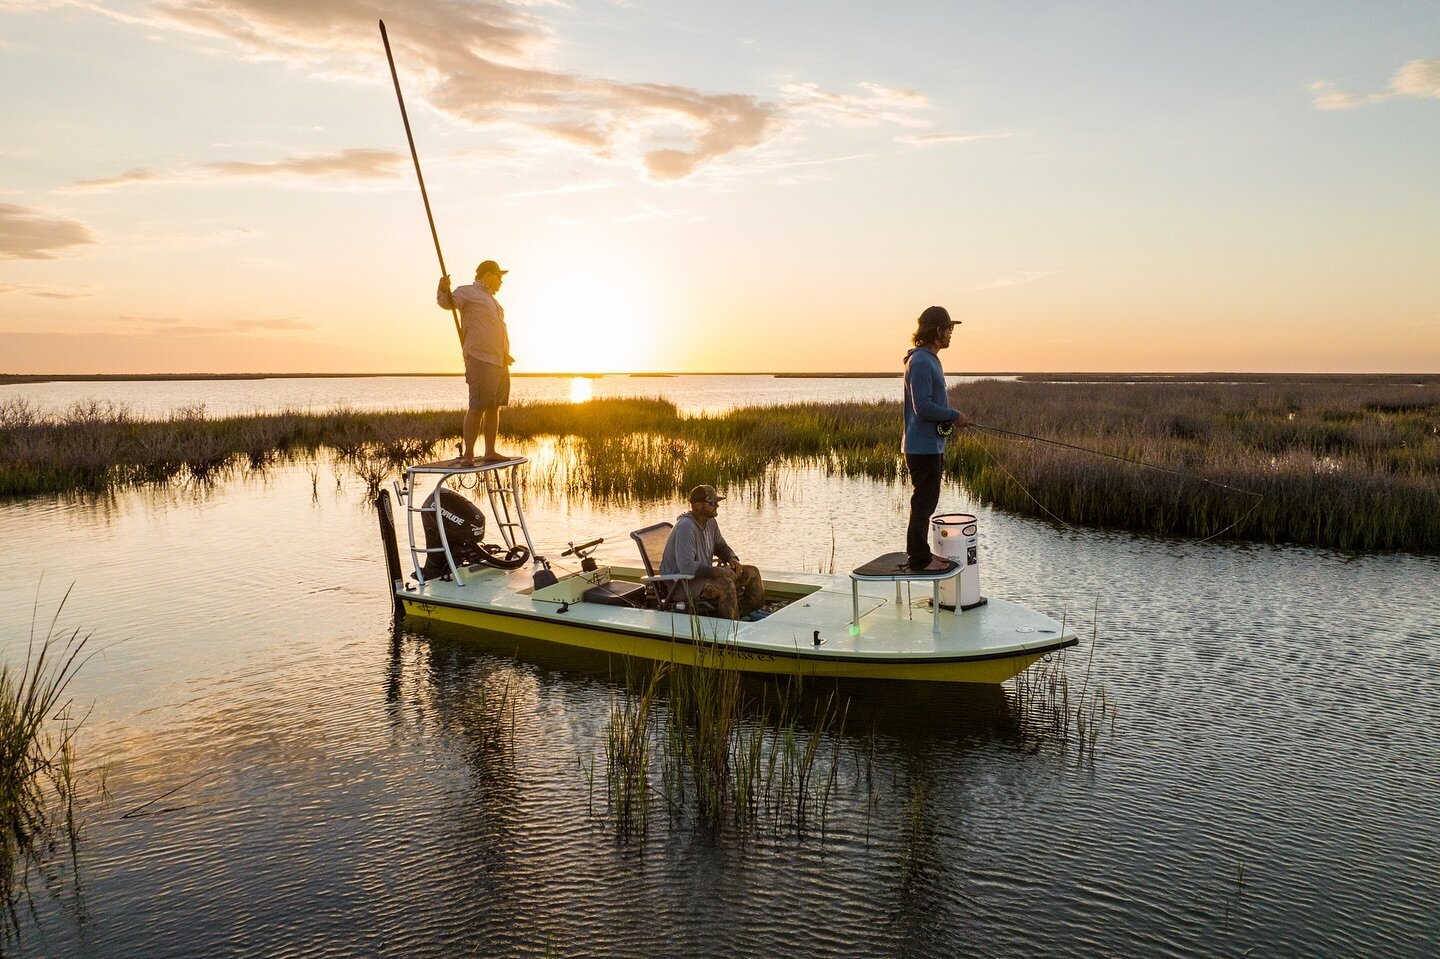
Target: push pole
454 314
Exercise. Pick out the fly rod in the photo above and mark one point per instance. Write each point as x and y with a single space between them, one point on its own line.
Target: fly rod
1116 456
405 118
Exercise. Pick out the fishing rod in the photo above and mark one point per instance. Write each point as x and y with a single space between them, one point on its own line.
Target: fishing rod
405 118
1115 456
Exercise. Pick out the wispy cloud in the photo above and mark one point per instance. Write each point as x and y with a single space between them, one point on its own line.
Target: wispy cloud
1418 78
1013 279
873 104
649 211
560 190
28 234
344 168
176 326
44 292
936 139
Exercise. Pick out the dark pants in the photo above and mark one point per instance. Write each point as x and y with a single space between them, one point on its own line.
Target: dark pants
925 471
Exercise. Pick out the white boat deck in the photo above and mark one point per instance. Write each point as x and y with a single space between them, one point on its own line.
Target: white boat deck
888 630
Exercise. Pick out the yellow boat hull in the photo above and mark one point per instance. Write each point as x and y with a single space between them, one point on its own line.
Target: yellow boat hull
719 653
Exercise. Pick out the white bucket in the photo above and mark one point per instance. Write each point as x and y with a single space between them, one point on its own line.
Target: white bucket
953 536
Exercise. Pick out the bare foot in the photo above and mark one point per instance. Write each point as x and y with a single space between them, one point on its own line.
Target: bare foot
465 461
496 458
937 565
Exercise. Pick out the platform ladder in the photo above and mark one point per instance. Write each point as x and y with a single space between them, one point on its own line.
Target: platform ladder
505 507
502 496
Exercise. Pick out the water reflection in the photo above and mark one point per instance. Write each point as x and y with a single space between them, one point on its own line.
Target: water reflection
336 787
483 685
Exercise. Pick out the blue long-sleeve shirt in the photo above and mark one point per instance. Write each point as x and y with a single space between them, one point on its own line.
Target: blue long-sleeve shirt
925 403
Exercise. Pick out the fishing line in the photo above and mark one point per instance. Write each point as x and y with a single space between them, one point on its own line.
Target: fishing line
1259 497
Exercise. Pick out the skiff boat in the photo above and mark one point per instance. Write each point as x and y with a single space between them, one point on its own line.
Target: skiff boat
934 627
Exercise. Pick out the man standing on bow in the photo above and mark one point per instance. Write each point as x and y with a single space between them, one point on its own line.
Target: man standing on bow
486 346
731 590
928 421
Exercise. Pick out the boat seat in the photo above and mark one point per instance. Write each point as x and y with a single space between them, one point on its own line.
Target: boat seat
651 541
616 593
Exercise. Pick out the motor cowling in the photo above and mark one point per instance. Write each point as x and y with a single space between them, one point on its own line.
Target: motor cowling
464 530
465 533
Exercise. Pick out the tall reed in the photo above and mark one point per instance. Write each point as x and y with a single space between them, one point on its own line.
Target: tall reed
41 788
726 750
1047 712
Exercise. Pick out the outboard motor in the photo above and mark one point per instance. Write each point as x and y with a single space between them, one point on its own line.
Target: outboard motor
465 533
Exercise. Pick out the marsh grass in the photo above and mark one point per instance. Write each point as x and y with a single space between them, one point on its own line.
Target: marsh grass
627 754
1048 713
42 788
717 750
1338 462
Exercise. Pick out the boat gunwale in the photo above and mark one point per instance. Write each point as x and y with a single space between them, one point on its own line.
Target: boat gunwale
799 654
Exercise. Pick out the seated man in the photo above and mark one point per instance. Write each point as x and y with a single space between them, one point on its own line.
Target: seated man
730 589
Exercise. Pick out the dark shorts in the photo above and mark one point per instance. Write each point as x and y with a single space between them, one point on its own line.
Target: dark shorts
489 384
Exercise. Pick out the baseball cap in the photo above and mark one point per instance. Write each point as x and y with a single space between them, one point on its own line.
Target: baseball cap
705 493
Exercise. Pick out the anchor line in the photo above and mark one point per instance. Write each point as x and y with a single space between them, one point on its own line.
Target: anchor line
1259 497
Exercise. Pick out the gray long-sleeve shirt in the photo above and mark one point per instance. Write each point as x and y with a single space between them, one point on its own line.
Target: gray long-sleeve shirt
691 549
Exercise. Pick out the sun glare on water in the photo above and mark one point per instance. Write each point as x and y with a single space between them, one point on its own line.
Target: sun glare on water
581 389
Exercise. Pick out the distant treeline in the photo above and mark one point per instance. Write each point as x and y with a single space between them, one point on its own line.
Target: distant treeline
1352 466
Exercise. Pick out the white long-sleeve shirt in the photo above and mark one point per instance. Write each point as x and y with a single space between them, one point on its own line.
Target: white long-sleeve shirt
482 322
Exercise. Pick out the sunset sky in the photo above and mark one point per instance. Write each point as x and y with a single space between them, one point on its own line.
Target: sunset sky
225 186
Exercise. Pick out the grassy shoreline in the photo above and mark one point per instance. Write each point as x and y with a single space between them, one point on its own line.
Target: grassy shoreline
1339 464
1416 379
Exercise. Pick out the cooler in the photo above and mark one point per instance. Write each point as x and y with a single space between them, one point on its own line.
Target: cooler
953 537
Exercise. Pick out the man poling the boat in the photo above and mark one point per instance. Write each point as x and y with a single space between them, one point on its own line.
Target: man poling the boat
732 589
929 421
485 345
484 341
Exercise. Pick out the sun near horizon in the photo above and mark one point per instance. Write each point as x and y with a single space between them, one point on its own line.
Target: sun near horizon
186 188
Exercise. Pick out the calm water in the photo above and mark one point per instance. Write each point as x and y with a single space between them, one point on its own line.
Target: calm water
322 785
692 394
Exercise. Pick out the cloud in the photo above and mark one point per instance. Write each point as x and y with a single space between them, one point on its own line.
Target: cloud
490 63
935 139
48 293
1014 279
649 211
485 63
874 104
27 234
560 190
356 164
347 167
175 326
1418 78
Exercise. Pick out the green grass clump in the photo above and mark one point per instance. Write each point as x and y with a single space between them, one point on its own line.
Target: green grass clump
40 787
